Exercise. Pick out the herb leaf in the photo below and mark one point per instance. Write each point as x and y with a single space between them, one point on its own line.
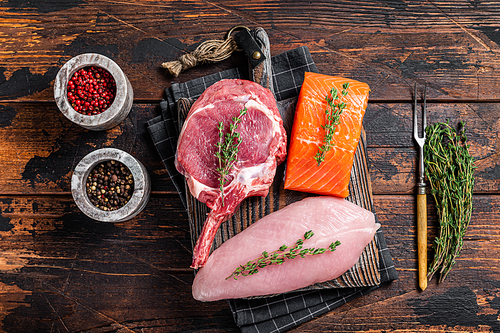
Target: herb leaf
227 149
278 257
450 171
333 112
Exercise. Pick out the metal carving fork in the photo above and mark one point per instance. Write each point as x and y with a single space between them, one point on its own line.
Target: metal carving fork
421 197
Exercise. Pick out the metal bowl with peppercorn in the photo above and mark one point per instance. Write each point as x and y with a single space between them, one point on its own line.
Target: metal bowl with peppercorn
110 185
92 91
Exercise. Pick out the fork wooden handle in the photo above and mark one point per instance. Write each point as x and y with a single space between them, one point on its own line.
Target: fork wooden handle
422 240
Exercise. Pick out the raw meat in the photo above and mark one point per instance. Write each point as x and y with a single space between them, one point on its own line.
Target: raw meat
333 175
330 218
262 149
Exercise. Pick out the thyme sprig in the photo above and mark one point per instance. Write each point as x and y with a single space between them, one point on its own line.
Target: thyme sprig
227 149
333 112
450 171
279 256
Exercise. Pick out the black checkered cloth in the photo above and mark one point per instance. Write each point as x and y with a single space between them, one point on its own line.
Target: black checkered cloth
286 311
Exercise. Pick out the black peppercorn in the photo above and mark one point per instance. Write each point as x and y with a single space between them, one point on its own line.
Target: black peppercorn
105 188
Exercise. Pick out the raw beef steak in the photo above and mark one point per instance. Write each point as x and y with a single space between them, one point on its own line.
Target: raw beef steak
263 147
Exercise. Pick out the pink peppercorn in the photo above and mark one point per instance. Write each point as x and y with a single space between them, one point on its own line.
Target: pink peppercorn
91 90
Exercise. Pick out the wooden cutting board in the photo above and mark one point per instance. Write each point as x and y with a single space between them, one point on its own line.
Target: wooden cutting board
364 273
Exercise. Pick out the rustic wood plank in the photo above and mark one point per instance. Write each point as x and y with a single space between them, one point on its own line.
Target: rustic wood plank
391 125
392 151
40 147
394 171
64 271
60 271
88 301
55 260
451 45
57 220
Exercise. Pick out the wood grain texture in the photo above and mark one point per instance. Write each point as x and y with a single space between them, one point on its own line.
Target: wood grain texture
60 271
141 269
453 46
40 147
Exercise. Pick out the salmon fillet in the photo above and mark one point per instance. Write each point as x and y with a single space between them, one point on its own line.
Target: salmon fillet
332 176
330 218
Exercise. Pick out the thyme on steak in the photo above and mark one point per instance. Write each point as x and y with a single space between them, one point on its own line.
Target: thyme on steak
278 257
450 171
333 112
227 149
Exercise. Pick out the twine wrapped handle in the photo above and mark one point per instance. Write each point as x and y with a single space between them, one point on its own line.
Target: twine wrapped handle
209 51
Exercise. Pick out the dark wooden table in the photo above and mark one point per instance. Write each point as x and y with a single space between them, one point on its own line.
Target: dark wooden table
63 272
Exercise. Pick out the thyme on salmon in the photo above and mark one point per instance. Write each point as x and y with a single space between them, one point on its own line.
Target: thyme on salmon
227 149
450 171
278 257
332 113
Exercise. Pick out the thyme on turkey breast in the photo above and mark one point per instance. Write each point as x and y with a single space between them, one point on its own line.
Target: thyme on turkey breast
278 257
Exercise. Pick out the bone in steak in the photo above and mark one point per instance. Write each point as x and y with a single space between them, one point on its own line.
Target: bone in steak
262 149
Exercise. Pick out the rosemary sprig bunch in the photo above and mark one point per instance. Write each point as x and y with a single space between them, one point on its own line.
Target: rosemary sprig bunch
227 149
333 112
278 257
450 171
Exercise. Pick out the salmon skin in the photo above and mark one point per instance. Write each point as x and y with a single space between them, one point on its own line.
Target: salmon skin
332 176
